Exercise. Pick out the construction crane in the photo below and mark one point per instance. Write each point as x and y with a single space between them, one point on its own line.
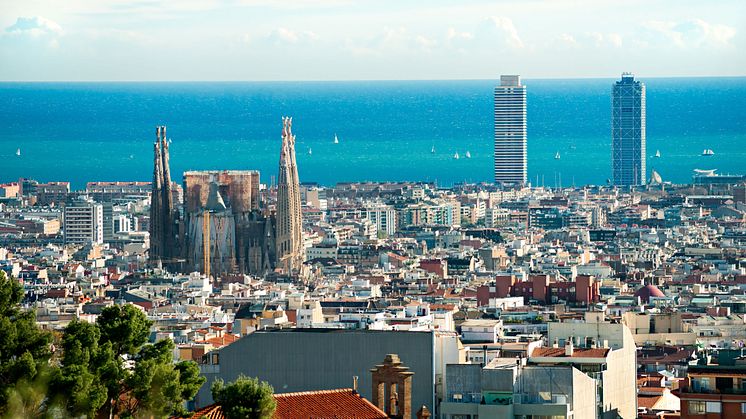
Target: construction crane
206 243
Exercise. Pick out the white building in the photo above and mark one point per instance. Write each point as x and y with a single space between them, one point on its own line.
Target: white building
83 222
510 131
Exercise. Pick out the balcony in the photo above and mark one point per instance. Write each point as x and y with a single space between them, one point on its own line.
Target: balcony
533 398
465 398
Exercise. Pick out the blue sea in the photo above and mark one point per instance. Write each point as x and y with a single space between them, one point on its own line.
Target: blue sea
104 131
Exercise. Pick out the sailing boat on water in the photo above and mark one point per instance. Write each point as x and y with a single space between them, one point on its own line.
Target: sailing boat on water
336 140
657 153
557 156
708 152
18 152
455 156
468 155
432 150
309 151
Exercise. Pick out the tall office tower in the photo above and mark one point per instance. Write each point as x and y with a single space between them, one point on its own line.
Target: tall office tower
290 248
84 222
628 131
510 131
162 215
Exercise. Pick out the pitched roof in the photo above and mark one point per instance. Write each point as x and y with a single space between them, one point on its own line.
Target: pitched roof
337 404
324 404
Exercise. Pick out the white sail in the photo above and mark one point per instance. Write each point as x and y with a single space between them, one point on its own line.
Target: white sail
455 156
18 152
557 156
657 153
336 140
468 155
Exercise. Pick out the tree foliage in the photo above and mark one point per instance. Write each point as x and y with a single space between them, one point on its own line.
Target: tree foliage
245 398
108 369
24 348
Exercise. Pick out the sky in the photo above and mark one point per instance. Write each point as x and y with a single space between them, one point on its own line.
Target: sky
193 40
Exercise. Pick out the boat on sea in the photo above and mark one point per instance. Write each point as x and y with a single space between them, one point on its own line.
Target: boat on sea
18 152
468 155
455 156
309 151
657 153
708 152
557 156
432 150
336 140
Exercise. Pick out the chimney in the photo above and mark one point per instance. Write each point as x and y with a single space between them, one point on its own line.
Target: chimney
556 343
354 384
569 347
423 413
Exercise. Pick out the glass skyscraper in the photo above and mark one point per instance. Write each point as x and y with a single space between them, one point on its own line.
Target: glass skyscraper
510 131
628 131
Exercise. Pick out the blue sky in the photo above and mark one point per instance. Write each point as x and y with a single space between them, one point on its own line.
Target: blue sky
377 39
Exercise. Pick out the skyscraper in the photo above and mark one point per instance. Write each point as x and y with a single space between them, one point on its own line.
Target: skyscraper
162 216
289 230
510 131
628 131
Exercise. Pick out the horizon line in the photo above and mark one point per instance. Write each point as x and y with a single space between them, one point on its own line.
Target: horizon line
365 80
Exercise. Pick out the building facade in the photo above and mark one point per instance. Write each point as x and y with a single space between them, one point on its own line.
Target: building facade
510 131
224 225
628 131
83 222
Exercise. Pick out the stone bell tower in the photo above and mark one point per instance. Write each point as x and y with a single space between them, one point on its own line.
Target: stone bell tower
392 387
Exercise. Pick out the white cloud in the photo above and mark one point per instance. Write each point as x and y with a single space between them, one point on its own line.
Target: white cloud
505 28
288 36
425 43
452 34
35 27
692 33
568 39
604 39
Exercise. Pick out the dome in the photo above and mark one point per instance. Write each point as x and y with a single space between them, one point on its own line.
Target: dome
648 291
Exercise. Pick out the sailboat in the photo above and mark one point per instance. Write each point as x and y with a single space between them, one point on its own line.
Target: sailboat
455 156
708 152
432 150
468 155
336 140
657 153
309 151
18 152
557 156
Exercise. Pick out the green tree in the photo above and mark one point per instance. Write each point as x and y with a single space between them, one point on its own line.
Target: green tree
109 370
24 348
245 398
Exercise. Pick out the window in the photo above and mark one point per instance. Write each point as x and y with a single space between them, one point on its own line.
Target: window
714 407
743 407
696 407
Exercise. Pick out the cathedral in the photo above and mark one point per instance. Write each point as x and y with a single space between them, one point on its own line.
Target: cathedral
225 225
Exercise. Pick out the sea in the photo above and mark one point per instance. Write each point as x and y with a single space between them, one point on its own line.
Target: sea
387 130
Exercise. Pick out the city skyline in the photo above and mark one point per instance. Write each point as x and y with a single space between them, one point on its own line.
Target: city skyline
340 40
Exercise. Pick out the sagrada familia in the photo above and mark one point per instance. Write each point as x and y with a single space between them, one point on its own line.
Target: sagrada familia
224 225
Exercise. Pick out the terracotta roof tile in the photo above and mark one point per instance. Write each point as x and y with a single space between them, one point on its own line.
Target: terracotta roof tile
337 404
323 404
576 353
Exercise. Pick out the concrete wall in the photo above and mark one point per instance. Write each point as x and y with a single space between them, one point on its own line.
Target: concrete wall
315 359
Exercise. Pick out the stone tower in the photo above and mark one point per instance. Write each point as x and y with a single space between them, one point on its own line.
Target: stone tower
162 216
289 225
392 387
